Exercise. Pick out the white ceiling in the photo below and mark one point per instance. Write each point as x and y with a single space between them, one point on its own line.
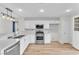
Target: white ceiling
51 9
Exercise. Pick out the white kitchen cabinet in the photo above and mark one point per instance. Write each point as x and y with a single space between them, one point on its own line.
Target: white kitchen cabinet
47 38
46 26
21 45
30 26
24 42
32 38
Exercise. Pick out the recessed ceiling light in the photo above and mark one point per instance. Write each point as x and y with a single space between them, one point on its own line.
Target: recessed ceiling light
41 10
20 10
68 10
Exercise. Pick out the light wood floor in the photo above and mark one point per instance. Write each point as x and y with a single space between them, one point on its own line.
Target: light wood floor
54 48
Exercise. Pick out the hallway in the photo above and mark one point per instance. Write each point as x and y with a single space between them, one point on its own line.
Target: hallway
55 48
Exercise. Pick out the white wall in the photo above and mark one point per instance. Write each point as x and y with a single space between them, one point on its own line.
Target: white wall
66 29
5 26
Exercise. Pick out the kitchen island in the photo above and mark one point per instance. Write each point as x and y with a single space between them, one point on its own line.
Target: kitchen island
7 46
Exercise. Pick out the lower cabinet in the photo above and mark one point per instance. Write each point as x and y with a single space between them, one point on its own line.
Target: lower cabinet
32 38
47 38
24 42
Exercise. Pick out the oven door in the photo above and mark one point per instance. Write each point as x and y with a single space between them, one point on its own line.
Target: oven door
39 40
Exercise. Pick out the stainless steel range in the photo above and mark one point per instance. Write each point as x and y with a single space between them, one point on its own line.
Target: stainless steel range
39 34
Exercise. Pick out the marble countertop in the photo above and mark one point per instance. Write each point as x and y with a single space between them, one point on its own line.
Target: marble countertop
7 43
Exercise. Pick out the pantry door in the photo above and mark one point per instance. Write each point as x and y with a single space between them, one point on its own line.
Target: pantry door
54 30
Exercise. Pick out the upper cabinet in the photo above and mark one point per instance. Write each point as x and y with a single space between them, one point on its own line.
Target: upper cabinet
31 24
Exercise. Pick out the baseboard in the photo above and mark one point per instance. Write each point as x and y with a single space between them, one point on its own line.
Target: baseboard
75 47
61 42
64 42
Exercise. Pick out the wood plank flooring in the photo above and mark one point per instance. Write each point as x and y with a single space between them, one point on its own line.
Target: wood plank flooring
54 48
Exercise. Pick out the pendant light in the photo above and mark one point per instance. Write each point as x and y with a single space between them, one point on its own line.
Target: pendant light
3 15
8 15
11 17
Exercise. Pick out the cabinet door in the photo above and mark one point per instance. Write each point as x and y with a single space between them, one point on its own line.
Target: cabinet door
21 45
30 26
46 26
47 38
32 38
24 42
27 41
